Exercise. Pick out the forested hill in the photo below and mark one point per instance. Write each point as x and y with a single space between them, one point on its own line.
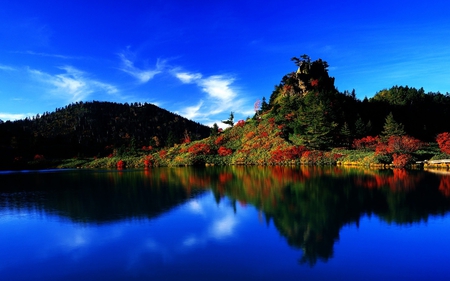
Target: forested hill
95 129
318 116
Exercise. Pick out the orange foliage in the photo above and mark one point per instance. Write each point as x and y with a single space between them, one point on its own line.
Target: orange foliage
443 141
199 148
401 160
162 154
368 142
291 153
219 140
223 151
240 123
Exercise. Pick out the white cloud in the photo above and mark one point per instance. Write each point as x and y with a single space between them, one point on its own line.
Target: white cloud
47 55
73 85
218 87
6 68
14 116
188 77
192 112
142 75
221 97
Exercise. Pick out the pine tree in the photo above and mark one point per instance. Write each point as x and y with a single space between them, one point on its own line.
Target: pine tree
314 129
230 120
392 128
346 135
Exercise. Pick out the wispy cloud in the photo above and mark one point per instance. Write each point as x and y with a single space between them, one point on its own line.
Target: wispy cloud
142 75
7 68
47 55
12 116
220 97
73 85
188 77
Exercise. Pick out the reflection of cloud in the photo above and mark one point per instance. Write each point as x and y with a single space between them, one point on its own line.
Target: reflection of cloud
223 227
195 207
190 241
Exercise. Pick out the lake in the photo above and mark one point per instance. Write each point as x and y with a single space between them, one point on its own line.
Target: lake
225 223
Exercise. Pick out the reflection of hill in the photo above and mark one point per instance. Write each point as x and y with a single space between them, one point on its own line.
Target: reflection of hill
95 196
310 205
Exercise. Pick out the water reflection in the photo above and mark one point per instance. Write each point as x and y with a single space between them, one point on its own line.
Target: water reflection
308 205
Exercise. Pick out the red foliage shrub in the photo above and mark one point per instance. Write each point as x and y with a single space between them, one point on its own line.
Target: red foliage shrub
250 135
399 145
271 120
315 82
147 148
403 144
120 164
240 123
369 143
186 139
39 157
162 154
223 151
264 134
401 160
199 148
291 153
147 161
219 140
443 140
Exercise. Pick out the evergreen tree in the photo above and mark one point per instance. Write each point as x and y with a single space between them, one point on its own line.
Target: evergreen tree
264 105
314 129
214 130
346 135
392 128
230 120
360 128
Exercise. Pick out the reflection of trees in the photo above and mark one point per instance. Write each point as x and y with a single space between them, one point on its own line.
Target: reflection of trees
308 205
97 196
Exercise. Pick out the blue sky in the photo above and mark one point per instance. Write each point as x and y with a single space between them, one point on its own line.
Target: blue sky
204 59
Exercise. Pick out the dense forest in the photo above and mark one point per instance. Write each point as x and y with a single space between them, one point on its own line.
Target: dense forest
306 116
87 129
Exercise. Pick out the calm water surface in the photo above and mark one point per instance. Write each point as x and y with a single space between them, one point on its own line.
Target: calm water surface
227 223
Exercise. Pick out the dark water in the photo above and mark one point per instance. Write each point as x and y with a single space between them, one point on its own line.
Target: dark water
228 223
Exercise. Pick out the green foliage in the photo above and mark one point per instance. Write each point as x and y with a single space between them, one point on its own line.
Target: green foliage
392 128
230 120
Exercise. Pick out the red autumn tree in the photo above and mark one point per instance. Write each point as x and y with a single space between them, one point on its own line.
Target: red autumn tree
223 151
199 148
366 143
403 144
443 141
